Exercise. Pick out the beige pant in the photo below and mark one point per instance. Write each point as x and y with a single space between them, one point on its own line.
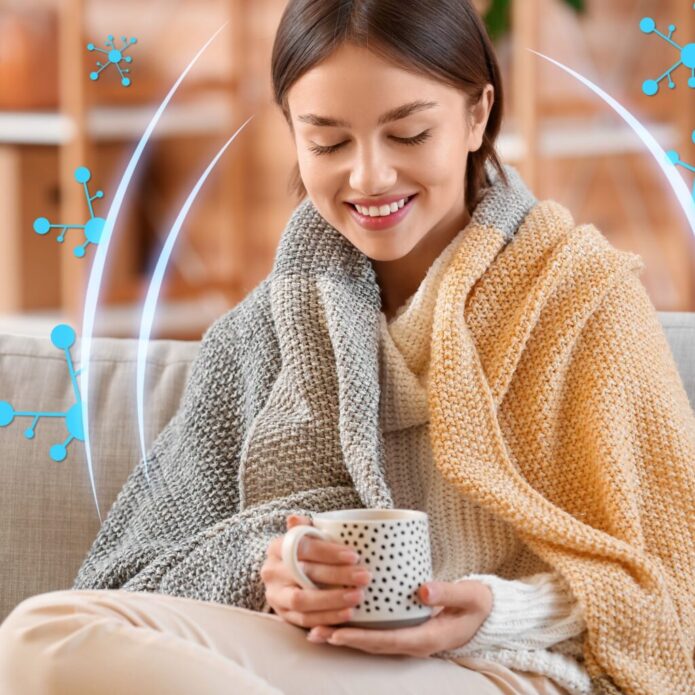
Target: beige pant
117 642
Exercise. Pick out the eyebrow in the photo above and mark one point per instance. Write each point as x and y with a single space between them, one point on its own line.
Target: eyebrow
396 114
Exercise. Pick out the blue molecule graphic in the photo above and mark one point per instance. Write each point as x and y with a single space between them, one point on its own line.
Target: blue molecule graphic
92 229
675 159
686 56
115 57
63 337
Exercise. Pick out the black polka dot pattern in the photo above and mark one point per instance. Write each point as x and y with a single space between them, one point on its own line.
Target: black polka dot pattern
397 554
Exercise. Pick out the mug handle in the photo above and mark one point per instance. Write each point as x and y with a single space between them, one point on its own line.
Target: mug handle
290 543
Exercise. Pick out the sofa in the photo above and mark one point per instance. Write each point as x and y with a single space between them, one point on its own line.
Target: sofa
48 515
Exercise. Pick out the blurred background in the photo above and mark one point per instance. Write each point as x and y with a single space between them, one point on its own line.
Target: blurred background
568 144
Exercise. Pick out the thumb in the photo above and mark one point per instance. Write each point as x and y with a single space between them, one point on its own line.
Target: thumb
430 592
445 593
462 594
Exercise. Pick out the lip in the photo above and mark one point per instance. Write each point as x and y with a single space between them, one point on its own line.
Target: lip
379 223
378 202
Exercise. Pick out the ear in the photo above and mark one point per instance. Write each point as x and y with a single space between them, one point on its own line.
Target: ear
479 115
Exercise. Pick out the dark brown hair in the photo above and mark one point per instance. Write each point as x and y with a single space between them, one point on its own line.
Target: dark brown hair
443 39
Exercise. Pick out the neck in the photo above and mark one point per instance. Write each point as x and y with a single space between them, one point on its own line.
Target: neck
400 278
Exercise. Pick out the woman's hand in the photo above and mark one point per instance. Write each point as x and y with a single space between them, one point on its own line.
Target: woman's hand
460 608
323 562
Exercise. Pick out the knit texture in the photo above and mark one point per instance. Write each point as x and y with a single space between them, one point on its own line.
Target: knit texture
566 417
554 402
533 609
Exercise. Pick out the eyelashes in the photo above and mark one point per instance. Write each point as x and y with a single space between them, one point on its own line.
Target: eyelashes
415 140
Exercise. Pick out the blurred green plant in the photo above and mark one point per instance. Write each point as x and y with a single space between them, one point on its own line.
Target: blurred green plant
498 16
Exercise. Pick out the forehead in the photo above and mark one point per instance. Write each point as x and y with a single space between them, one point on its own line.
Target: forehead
355 83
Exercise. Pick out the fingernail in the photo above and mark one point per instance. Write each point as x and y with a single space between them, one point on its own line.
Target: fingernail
430 593
315 637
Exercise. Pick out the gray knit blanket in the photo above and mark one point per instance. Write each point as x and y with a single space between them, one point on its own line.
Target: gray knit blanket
279 415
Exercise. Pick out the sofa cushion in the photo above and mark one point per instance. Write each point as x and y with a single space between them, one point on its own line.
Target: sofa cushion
48 516
679 327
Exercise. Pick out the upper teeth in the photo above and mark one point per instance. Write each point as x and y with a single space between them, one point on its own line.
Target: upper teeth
380 211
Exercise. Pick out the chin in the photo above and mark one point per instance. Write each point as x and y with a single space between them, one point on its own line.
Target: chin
375 249
377 252
384 255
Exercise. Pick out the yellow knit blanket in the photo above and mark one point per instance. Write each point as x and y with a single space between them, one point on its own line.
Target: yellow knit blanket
555 403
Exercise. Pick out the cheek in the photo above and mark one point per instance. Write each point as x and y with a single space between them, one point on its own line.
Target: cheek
316 172
441 167
305 167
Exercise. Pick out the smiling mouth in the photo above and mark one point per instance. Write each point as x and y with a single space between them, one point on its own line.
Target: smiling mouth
354 207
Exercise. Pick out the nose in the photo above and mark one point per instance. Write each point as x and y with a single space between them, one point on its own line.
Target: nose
372 173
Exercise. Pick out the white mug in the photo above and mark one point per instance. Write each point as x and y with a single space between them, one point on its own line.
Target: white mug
393 544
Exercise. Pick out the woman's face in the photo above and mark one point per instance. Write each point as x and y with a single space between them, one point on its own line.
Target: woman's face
370 133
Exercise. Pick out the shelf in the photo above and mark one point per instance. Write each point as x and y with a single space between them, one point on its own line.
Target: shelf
558 137
577 138
205 115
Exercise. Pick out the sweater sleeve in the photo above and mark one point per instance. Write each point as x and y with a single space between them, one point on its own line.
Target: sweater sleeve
220 563
181 530
532 613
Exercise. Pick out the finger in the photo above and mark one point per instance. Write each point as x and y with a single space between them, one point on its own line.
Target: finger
462 594
295 598
314 618
414 641
432 626
295 520
326 576
274 549
315 549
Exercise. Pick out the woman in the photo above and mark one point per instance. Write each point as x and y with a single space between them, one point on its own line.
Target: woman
430 337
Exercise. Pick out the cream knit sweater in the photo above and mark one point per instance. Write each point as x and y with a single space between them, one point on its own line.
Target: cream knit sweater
535 624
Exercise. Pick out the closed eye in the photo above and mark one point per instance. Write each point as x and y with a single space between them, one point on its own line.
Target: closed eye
415 140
